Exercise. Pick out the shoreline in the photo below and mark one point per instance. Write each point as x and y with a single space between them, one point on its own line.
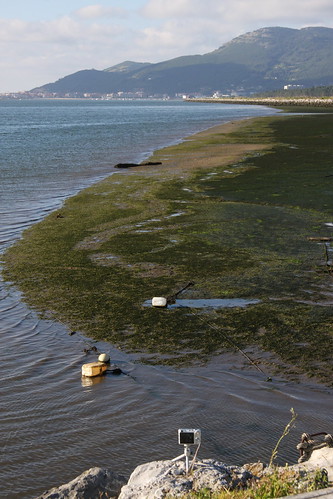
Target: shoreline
177 159
97 245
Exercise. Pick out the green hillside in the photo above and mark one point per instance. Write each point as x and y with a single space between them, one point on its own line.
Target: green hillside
265 59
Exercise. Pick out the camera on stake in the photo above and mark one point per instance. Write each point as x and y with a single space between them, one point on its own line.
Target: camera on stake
188 437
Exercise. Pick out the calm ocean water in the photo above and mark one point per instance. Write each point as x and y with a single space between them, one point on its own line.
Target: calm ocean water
53 425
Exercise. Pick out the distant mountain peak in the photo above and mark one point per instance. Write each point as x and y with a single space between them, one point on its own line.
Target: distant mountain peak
127 67
261 36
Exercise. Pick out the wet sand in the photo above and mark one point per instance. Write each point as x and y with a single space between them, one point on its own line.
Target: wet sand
207 154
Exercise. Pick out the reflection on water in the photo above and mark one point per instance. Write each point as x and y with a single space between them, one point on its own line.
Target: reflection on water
86 381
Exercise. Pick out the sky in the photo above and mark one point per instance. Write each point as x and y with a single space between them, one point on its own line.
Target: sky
44 40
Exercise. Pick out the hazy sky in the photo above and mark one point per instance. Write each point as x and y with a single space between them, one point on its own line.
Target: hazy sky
44 40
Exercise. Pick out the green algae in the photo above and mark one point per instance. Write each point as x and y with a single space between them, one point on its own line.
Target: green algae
240 233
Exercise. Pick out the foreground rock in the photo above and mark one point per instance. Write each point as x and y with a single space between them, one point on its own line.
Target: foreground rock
320 459
158 479
316 454
94 483
161 479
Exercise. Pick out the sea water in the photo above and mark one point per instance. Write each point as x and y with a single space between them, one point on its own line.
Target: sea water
55 425
50 149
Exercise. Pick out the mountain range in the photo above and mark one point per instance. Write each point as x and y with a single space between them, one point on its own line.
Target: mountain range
265 59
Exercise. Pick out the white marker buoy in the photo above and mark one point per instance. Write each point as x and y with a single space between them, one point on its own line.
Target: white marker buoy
159 301
104 357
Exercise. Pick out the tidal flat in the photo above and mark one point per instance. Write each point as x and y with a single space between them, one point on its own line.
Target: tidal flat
242 211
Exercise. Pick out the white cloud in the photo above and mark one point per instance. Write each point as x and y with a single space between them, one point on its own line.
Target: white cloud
179 37
34 53
174 8
99 11
238 11
196 26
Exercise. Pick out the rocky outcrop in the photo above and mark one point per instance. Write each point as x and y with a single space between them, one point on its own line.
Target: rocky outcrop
94 483
154 480
316 453
320 459
158 479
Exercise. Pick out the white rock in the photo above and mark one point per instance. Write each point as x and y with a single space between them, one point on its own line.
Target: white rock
158 479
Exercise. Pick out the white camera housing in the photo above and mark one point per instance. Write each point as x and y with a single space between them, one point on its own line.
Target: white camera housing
189 436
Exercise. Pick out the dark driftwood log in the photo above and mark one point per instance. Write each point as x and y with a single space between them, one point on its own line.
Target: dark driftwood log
324 239
132 165
125 165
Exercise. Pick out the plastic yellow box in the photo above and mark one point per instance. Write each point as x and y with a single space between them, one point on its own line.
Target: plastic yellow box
93 369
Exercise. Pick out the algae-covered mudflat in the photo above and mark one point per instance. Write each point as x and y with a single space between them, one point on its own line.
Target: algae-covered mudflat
242 211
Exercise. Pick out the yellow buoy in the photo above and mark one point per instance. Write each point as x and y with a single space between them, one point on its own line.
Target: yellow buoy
94 369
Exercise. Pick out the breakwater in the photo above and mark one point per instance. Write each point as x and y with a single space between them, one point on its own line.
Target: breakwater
325 102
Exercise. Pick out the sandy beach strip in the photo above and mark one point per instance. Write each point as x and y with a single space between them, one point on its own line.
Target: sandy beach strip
207 149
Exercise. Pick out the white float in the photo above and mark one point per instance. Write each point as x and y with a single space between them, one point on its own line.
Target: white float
104 357
159 301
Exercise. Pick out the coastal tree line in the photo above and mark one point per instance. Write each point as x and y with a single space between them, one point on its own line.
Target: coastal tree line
320 91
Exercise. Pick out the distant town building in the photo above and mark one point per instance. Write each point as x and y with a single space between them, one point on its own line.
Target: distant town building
291 86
